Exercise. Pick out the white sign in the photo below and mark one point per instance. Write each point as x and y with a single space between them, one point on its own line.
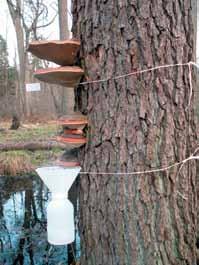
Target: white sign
33 87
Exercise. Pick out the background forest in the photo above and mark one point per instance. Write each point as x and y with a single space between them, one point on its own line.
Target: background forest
29 20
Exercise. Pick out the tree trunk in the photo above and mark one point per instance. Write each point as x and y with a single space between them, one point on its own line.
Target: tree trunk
15 123
67 107
64 32
63 20
15 12
137 123
31 146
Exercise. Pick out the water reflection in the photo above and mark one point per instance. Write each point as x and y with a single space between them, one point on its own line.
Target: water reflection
23 239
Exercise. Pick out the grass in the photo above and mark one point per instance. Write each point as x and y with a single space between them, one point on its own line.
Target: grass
15 163
24 161
28 132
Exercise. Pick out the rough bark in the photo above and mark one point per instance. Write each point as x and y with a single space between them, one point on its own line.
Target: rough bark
31 146
137 123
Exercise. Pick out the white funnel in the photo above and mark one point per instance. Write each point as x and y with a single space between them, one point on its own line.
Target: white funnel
60 211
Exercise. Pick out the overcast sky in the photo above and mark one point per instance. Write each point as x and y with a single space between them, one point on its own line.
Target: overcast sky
7 29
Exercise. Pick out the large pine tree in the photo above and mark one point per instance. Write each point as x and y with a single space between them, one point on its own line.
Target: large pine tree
137 123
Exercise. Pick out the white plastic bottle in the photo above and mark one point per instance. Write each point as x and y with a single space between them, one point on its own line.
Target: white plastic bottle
60 216
60 211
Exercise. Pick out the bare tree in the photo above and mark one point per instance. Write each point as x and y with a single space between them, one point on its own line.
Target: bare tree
28 17
15 11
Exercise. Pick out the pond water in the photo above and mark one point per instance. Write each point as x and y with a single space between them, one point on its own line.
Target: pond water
23 238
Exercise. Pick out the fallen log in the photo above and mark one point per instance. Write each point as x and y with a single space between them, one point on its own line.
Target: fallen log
31 146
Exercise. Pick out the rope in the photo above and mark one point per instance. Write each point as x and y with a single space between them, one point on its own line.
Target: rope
139 72
145 171
189 103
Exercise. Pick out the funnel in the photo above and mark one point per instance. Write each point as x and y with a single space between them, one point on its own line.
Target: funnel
60 211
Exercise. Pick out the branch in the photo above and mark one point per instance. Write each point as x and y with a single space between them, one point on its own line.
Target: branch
48 24
31 146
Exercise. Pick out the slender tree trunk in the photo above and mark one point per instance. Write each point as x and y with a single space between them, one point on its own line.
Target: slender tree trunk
63 20
15 13
22 64
67 107
137 123
64 32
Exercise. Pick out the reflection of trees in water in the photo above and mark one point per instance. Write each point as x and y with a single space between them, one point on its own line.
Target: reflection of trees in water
24 242
3 227
30 220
